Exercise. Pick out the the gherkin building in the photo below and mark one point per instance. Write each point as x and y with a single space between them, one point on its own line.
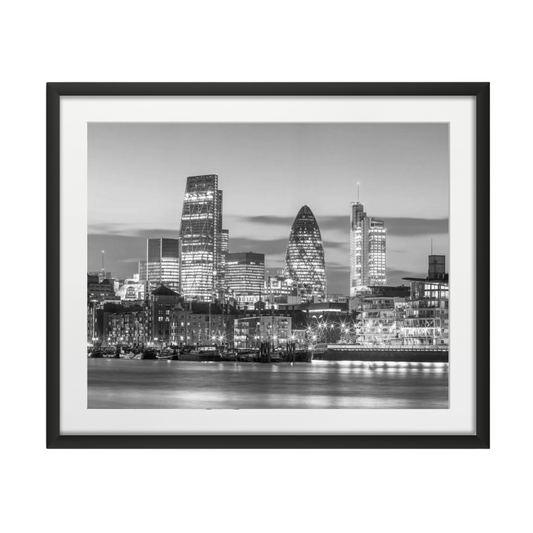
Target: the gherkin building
305 263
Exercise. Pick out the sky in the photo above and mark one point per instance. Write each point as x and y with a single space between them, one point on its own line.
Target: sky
137 174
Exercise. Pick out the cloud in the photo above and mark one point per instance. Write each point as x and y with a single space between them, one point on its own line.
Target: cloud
397 275
267 247
125 230
268 220
410 227
398 226
334 265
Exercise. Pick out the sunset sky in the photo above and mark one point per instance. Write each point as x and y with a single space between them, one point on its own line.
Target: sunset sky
137 174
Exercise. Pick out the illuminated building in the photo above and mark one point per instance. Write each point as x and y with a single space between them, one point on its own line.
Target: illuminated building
127 327
98 288
367 250
305 263
141 270
224 250
201 240
427 315
245 276
418 319
280 290
162 265
381 321
109 323
100 274
201 324
132 290
250 332
162 301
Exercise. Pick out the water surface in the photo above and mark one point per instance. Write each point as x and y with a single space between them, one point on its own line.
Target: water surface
146 384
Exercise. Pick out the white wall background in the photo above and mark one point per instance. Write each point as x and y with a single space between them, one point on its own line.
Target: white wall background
365 490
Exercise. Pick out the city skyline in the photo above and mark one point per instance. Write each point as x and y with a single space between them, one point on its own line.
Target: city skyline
137 175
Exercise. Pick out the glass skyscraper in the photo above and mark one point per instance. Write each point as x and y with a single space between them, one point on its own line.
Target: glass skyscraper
201 247
245 275
367 250
305 261
162 265
224 250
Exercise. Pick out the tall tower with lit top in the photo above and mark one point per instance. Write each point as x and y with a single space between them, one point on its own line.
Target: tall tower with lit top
367 250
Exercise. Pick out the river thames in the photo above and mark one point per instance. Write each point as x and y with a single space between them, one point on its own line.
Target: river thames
153 384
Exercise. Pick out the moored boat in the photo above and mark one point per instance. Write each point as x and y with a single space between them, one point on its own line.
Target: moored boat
111 352
396 353
170 353
201 354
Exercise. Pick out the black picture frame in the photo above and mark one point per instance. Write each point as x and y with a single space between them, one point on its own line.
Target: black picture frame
481 92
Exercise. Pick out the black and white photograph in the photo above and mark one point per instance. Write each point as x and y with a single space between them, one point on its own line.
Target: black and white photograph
268 265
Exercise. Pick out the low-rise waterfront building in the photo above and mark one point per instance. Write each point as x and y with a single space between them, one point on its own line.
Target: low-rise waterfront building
250 332
129 327
162 301
381 321
427 313
202 324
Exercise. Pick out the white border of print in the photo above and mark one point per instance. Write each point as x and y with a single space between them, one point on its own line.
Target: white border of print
76 419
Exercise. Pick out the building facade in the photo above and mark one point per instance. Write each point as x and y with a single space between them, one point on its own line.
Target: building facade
381 321
367 250
427 315
97 289
162 265
201 239
420 318
280 290
245 276
250 332
224 250
132 290
305 260
129 327
201 324
161 304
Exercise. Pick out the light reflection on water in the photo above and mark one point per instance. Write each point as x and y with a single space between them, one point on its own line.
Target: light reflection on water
134 384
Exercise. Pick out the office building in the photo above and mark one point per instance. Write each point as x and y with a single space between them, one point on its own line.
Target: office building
305 261
201 239
162 265
224 250
245 276
280 290
367 250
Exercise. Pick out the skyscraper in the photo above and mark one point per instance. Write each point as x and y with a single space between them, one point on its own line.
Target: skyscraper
367 250
224 250
305 262
162 266
201 228
245 276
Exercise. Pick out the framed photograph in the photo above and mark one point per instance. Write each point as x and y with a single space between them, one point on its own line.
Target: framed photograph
268 265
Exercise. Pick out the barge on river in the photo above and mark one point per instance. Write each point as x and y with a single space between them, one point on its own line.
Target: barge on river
356 352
